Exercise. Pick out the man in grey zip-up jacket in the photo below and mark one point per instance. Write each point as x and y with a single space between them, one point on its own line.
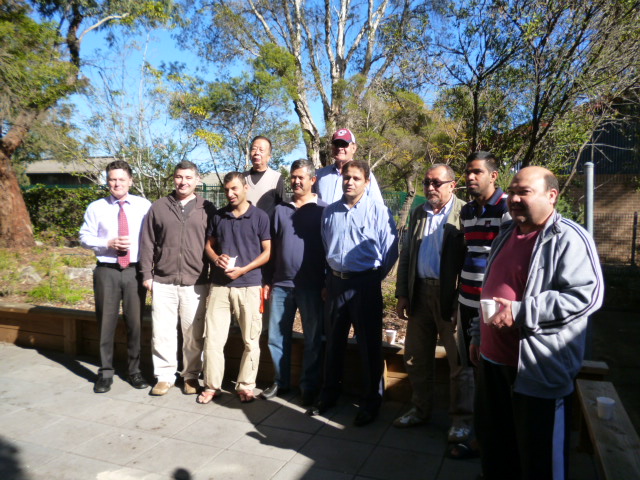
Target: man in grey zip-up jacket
174 268
545 276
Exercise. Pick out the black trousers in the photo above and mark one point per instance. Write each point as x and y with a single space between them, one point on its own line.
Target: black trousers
520 437
354 301
112 285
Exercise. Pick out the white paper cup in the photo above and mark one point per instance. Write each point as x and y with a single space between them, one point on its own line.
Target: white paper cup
390 336
606 406
489 308
231 262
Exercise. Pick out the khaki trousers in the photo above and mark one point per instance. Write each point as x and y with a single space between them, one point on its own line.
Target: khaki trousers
244 304
423 329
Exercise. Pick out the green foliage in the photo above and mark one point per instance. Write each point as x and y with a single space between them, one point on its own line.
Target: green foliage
58 289
59 212
33 73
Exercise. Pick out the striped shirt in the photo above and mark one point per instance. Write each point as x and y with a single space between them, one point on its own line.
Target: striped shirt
479 233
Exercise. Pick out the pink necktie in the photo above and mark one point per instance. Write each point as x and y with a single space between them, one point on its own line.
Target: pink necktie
124 258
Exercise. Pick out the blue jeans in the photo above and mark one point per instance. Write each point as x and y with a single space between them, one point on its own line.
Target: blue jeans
284 302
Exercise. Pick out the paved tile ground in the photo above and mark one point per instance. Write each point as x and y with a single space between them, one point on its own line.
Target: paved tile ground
52 426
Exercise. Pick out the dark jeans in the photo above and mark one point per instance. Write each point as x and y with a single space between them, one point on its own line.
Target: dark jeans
112 285
354 301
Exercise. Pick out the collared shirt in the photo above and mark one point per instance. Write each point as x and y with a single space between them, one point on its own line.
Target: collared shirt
240 237
359 238
328 185
431 245
101 225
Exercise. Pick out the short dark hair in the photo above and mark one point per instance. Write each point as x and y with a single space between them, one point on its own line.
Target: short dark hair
551 182
119 165
451 175
186 165
360 165
490 160
231 176
304 163
262 137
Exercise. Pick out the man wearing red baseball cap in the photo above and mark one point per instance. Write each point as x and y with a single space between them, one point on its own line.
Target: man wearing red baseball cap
329 179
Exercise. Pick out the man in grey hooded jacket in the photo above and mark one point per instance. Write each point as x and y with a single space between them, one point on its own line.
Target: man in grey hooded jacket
545 276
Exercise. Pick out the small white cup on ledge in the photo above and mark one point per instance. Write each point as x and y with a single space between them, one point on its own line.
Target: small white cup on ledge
390 336
606 407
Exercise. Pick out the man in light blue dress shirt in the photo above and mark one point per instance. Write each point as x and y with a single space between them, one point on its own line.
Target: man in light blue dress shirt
361 241
328 185
115 280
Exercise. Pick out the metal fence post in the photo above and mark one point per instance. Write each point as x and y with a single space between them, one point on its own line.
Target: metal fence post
588 210
634 239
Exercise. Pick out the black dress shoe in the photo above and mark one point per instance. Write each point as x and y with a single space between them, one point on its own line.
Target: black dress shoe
137 381
319 408
364 417
102 385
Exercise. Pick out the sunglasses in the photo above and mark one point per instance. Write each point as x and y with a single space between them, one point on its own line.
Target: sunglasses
436 183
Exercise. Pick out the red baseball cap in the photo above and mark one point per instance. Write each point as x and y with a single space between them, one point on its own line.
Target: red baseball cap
344 134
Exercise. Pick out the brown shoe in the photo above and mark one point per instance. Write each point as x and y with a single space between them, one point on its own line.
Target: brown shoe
161 388
191 386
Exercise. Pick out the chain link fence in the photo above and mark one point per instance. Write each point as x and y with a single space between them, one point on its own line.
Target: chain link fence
616 236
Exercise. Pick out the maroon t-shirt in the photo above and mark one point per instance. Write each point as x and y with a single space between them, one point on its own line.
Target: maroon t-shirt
506 279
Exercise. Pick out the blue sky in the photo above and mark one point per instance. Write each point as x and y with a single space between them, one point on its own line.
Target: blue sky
161 48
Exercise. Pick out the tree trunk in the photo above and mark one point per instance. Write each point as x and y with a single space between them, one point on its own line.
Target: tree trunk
15 224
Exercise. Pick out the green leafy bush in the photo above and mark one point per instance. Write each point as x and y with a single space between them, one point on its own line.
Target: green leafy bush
57 213
58 289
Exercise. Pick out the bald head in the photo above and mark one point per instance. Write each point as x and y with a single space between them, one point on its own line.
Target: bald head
533 194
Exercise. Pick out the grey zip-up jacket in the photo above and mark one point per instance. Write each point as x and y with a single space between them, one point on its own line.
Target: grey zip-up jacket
563 288
172 243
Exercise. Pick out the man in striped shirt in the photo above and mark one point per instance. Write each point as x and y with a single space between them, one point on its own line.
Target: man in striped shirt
481 219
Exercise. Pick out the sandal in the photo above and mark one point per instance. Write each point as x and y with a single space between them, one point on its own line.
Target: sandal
206 396
246 396
461 451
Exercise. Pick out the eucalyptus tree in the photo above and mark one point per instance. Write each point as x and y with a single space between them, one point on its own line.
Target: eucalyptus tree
40 64
317 48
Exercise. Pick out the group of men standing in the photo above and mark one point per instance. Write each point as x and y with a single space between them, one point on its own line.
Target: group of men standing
324 253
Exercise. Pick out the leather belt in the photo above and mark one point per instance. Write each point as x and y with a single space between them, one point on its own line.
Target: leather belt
348 275
115 265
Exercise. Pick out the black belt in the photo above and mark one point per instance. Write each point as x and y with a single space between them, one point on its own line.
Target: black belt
430 281
347 275
115 265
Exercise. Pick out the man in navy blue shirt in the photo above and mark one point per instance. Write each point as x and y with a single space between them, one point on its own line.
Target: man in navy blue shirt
297 277
239 243
360 237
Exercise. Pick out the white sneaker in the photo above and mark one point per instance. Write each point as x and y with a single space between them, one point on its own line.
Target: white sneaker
459 433
410 419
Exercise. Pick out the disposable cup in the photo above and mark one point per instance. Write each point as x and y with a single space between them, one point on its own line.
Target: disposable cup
231 262
390 336
606 406
489 308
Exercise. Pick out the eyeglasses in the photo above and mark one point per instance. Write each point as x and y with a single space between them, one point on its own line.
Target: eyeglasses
436 183
340 144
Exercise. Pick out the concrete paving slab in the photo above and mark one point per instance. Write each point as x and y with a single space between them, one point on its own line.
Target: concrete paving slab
119 446
292 471
394 463
271 442
75 467
239 466
216 432
69 432
172 455
21 423
335 454
113 412
460 468
163 421
421 438
20 456
293 417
